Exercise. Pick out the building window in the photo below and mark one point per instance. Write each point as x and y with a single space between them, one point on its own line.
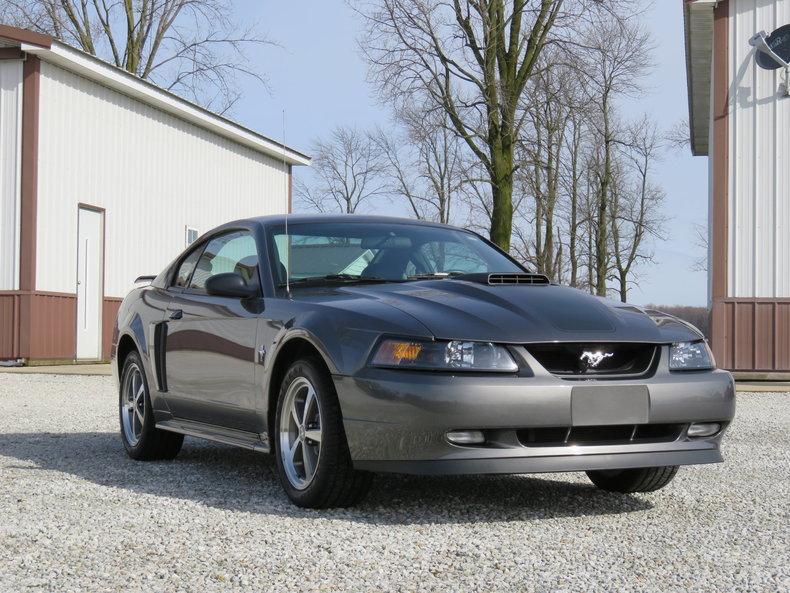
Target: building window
191 235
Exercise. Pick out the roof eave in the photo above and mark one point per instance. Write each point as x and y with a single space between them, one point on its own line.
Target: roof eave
698 33
24 36
110 76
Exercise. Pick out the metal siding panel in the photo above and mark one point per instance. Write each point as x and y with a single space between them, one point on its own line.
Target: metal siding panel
721 322
730 308
744 336
752 334
783 181
745 159
54 322
782 336
760 198
764 103
10 163
764 335
153 173
9 328
732 173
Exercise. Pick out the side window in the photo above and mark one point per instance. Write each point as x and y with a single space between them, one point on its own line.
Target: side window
186 267
232 252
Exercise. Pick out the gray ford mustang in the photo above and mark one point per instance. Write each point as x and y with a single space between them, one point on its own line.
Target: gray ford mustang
352 345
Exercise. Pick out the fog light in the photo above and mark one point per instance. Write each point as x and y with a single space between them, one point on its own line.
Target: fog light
704 429
466 437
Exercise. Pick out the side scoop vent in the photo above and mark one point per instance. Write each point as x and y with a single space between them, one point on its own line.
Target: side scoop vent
496 279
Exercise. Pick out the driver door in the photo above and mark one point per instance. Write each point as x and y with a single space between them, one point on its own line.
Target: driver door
210 346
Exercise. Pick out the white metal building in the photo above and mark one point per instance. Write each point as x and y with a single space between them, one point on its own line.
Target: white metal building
104 177
740 118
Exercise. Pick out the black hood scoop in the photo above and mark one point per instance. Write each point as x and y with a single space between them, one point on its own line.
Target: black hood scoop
504 278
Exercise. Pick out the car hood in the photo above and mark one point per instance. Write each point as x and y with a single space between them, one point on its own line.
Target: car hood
453 309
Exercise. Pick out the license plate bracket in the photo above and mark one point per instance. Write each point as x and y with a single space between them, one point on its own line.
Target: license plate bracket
601 405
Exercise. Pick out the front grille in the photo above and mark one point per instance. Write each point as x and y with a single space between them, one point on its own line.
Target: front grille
590 360
621 434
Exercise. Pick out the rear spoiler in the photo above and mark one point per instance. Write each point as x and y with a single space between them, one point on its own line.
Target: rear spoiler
148 279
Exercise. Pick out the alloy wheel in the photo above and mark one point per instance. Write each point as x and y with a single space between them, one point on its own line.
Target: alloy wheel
133 405
300 433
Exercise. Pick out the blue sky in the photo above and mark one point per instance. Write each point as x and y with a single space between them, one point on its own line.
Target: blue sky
318 77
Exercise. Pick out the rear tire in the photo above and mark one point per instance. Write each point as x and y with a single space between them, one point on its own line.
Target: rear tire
313 460
643 479
141 439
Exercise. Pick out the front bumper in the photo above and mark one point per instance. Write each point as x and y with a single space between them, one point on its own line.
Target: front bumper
397 420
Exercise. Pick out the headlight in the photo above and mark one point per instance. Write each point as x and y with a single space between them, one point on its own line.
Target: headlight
685 356
444 356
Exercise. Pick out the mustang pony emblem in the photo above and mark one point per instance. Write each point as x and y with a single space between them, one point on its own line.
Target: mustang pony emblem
593 359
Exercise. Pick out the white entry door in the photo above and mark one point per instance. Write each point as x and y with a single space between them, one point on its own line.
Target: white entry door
90 269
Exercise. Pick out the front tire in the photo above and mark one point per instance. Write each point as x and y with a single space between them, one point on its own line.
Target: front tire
643 479
313 460
141 439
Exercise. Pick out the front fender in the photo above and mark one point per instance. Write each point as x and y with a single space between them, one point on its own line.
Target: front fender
300 333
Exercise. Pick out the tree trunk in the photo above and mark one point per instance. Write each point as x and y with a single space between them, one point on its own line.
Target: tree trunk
623 286
590 251
552 171
601 237
572 231
502 194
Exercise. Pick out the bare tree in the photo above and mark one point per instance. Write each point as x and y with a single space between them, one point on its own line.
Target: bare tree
426 165
549 103
617 57
191 47
636 204
349 170
573 178
700 263
679 136
471 59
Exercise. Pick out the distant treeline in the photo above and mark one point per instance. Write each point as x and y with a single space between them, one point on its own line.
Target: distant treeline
698 316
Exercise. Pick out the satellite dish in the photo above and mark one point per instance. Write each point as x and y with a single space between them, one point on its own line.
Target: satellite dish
778 46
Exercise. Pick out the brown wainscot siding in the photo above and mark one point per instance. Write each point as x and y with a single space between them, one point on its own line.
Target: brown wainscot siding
752 334
10 304
43 325
37 325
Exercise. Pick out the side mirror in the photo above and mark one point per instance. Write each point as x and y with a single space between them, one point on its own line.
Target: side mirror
230 284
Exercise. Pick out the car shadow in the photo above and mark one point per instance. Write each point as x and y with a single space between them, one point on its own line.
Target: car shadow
234 479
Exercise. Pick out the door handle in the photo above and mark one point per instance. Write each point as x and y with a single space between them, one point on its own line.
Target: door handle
177 314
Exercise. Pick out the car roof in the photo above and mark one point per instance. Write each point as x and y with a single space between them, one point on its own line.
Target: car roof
279 219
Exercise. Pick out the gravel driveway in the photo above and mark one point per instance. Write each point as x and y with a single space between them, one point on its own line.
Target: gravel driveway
77 515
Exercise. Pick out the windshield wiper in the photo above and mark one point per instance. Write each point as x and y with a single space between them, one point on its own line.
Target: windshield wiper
332 278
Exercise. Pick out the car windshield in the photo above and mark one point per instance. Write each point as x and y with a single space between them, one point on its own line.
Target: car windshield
356 251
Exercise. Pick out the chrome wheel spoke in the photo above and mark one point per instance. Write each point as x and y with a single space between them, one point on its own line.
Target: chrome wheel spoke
300 432
140 419
295 417
295 446
309 461
309 402
133 405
